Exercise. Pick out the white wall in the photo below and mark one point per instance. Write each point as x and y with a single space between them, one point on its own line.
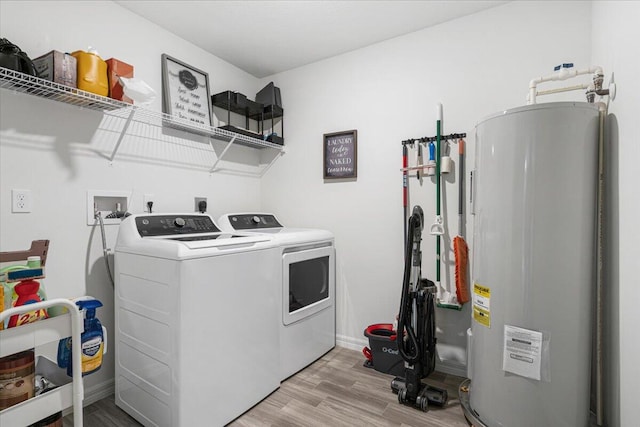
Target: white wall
56 150
615 47
475 66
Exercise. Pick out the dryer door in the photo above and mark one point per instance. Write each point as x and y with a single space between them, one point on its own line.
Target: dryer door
308 282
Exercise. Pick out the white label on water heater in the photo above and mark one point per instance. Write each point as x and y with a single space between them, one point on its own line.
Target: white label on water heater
522 352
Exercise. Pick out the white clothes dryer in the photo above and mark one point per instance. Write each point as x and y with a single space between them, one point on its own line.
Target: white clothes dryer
196 323
307 268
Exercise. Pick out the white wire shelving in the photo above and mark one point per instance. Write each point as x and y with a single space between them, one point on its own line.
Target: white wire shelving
23 83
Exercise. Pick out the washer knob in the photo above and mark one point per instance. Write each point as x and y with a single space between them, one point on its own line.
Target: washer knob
179 222
256 219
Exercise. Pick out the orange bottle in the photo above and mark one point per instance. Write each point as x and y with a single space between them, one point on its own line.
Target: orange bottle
92 72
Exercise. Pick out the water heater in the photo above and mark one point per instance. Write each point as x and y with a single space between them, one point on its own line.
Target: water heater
534 199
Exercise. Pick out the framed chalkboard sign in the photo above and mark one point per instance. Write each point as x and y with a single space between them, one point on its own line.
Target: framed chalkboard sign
341 155
185 92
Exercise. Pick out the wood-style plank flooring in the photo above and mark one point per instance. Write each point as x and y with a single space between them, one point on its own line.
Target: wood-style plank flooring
337 390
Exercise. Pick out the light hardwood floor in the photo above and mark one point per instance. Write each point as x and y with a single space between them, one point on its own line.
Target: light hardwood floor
337 390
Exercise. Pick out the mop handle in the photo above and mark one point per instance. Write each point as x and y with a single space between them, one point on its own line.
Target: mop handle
461 187
419 163
405 189
438 135
438 131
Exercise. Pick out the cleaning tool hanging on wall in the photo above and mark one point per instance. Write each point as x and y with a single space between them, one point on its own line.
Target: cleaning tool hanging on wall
460 249
445 166
419 163
405 187
445 298
431 165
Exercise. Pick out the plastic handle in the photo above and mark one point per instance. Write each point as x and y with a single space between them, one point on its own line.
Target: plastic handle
432 151
367 353
90 304
89 307
437 227
104 340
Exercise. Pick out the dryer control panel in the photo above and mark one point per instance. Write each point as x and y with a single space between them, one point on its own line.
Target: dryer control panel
166 225
253 221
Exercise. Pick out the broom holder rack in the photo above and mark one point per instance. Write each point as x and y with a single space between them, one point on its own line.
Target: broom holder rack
427 139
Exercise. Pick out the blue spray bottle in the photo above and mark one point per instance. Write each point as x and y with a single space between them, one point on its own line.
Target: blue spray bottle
93 341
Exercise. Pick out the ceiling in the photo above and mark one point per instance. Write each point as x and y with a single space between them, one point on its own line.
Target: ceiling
268 37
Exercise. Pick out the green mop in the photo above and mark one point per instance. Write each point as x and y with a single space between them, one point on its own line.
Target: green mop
445 298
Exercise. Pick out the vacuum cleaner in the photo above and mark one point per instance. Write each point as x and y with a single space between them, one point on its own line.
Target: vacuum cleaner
417 345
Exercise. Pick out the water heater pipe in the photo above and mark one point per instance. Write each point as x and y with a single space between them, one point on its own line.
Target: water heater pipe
563 89
564 74
600 269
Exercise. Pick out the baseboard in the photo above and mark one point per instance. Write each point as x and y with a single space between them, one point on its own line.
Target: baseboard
94 393
452 368
99 391
351 343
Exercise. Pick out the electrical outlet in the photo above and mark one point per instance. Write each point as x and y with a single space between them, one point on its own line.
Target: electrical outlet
197 203
149 198
21 201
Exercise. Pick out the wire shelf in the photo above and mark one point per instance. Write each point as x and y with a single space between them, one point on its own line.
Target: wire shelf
23 83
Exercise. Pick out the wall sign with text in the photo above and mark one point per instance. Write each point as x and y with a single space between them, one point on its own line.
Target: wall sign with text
341 155
185 92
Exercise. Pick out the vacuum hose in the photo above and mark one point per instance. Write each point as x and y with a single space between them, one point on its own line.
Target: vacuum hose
410 353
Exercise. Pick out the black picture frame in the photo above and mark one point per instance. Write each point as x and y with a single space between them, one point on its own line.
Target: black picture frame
185 92
340 155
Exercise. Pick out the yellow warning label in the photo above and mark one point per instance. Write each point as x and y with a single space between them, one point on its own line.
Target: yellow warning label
482 316
482 290
482 305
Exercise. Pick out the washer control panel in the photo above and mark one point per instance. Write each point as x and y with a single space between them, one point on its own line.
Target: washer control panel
253 221
165 225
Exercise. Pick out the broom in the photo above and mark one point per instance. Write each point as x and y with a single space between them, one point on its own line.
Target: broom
460 248
445 298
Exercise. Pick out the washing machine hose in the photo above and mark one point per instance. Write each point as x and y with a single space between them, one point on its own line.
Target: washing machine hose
105 251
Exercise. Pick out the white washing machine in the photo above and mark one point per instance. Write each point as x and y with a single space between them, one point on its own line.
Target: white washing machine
307 303
197 337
